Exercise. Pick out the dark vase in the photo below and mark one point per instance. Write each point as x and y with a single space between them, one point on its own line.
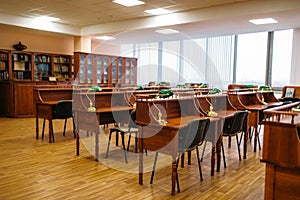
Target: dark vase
19 46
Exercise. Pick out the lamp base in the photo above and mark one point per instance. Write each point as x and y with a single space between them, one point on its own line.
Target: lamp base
91 109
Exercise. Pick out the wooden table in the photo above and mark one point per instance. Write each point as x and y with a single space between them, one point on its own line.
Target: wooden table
45 99
164 138
249 101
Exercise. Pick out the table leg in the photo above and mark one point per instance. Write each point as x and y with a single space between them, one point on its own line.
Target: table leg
51 131
219 143
246 135
97 144
219 147
37 123
213 159
140 147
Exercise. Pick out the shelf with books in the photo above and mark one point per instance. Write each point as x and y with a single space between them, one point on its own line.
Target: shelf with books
4 65
42 67
22 66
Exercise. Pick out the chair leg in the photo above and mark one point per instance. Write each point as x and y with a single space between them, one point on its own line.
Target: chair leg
182 160
199 164
238 146
229 142
203 151
65 127
43 128
224 159
108 144
189 157
128 144
153 169
124 149
177 179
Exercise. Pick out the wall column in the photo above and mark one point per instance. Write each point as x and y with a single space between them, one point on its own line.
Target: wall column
82 44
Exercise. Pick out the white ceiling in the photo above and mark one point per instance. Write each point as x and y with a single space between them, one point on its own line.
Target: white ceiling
193 18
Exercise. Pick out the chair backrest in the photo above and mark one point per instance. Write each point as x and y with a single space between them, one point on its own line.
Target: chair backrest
193 134
132 118
63 109
236 124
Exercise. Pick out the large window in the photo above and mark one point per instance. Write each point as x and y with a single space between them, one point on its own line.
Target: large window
170 62
147 54
211 60
251 58
282 55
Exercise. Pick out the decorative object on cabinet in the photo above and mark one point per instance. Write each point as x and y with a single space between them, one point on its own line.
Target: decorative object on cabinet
19 46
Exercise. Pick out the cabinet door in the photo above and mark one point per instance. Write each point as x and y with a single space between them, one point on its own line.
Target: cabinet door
4 66
82 69
133 71
62 66
99 66
90 69
42 67
114 64
24 107
127 71
21 66
120 70
106 69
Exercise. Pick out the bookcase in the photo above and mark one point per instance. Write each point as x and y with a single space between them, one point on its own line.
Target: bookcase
20 71
106 70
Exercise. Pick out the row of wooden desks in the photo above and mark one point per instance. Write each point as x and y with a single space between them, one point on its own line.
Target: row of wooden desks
163 138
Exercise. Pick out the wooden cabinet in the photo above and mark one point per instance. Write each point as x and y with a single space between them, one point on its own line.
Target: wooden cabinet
20 71
35 66
104 69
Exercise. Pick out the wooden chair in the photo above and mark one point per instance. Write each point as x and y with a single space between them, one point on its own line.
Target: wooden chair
189 138
131 128
232 127
63 110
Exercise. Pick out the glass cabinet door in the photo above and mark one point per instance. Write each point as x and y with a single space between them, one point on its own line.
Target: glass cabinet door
90 69
82 68
99 69
127 72
106 68
42 67
114 70
61 66
133 71
4 71
120 70
21 66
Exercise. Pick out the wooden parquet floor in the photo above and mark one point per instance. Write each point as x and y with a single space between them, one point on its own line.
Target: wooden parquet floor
33 169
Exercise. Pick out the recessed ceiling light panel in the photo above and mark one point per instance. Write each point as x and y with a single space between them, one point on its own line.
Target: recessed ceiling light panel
263 21
105 37
158 11
129 3
166 31
47 18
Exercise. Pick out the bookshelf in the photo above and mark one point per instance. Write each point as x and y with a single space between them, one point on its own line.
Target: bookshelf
20 71
22 66
106 70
